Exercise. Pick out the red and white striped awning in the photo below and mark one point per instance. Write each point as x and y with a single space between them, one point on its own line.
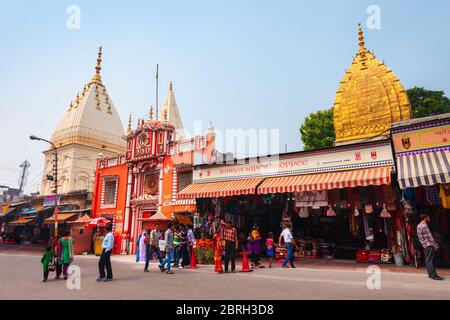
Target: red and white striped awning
220 189
327 181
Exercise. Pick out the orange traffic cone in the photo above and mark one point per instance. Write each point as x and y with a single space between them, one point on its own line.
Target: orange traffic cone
193 264
245 266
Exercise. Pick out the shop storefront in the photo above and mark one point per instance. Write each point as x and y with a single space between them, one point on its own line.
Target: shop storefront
338 200
422 151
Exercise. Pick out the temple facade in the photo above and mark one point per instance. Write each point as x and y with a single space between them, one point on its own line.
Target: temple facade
140 186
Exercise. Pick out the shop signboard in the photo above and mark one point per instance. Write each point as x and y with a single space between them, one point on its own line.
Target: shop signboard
302 163
423 137
49 201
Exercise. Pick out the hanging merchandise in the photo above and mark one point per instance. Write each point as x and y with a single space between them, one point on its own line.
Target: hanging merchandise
366 225
368 208
445 195
314 199
432 195
353 225
331 212
356 212
389 197
384 213
303 213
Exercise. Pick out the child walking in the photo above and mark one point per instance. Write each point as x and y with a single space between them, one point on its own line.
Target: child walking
46 259
270 245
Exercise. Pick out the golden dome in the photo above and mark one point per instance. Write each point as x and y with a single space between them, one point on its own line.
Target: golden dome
370 98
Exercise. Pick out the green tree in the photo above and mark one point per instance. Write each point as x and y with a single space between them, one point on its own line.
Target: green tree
427 102
317 131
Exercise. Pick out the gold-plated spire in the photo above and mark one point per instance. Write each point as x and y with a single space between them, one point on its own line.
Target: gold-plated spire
151 113
129 125
171 86
97 79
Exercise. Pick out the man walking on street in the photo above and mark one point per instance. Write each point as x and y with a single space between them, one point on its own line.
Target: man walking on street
231 246
105 258
286 235
429 244
153 247
168 236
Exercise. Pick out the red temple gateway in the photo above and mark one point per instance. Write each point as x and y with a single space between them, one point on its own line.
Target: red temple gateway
133 187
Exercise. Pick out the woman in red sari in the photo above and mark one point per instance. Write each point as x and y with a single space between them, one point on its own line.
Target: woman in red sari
218 249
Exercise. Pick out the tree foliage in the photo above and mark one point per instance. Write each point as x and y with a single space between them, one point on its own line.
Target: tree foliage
426 103
317 131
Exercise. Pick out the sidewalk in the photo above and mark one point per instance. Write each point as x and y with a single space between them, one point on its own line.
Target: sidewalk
300 263
311 264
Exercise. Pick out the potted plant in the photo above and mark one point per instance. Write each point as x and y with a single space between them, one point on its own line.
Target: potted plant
199 255
208 257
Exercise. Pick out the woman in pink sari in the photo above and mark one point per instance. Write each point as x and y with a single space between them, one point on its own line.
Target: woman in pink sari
142 247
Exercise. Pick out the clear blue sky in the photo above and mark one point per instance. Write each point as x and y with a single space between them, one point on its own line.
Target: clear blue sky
240 64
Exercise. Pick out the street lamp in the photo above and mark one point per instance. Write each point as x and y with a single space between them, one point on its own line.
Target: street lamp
55 173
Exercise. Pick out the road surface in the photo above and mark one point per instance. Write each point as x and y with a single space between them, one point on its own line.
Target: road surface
20 278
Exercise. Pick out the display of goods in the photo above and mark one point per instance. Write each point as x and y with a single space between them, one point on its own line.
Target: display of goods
374 256
280 252
386 256
362 256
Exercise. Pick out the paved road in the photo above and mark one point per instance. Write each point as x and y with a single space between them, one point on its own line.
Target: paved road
20 278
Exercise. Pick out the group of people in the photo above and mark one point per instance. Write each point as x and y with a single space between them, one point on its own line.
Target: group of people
58 256
178 244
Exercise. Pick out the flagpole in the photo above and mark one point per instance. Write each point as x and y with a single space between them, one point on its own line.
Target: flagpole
157 83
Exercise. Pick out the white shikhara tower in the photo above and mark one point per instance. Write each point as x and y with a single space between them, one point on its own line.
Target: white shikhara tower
171 113
90 126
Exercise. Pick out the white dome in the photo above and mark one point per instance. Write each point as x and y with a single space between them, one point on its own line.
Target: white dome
91 119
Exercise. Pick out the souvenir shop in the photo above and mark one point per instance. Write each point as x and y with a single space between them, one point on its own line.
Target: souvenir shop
422 152
334 210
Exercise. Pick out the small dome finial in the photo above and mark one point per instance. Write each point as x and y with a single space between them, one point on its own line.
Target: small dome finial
361 36
165 115
151 113
129 125
97 79
171 86
362 49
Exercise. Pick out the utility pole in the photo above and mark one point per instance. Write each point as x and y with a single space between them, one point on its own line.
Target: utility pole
55 178
23 176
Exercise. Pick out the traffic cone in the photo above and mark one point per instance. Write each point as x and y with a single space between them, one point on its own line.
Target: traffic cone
245 266
193 264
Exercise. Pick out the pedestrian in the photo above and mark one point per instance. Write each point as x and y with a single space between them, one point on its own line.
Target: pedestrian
47 262
65 253
153 247
57 255
138 252
218 250
254 246
429 244
168 236
176 247
270 248
105 258
142 247
231 246
184 248
286 235
191 241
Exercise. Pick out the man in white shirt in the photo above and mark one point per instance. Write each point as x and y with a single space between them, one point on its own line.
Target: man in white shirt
105 258
286 235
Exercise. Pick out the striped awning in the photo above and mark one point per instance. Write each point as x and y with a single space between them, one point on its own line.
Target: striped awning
220 189
423 169
327 181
